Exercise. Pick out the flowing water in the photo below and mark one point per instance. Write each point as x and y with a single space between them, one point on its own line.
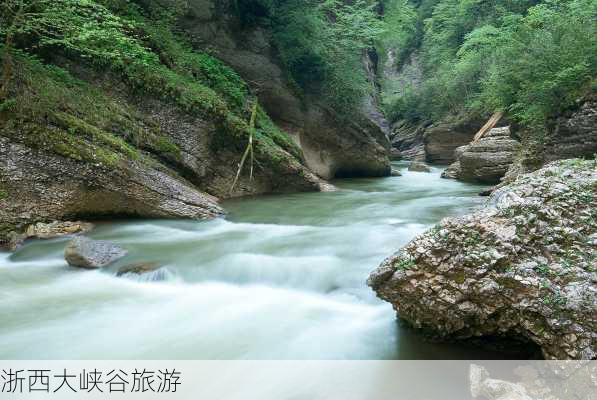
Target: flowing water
282 277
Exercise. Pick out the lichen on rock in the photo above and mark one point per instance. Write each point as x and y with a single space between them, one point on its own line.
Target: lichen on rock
522 267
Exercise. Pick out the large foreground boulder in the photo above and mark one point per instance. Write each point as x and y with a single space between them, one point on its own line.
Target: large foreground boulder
83 252
523 267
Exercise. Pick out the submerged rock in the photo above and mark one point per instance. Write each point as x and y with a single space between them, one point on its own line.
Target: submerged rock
523 267
395 172
138 268
83 252
417 166
145 272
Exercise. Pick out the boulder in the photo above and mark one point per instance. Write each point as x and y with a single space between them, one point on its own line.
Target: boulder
86 253
488 159
418 166
45 186
523 267
395 172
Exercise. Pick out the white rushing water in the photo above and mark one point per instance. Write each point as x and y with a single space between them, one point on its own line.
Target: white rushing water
282 277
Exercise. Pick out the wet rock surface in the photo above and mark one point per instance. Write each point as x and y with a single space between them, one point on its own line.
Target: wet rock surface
523 267
139 268
82 252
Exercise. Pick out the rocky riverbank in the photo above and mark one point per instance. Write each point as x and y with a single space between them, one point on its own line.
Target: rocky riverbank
523 267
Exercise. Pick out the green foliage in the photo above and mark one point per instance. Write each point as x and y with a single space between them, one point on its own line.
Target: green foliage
321 43
53 110
405 264
529 58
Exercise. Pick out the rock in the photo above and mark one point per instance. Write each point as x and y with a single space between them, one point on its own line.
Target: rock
555 380
51 230
57 229
138 268
407 142
452 171
483 387
45 186
395 172
488 159
443 138
574 134
83 252
417 166
395 154
521 268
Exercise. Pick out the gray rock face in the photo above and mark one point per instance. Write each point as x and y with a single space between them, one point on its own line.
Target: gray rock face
522 267
442 139
82 252
42 186
418 166
407 142
575 134
486 160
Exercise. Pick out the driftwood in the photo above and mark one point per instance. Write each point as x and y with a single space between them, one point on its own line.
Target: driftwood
248 150
489 125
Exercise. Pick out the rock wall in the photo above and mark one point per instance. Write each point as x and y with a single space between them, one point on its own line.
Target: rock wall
41 186
332 147
443 138
573 134
523 267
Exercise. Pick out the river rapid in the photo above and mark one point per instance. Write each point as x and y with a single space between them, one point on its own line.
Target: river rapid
281 277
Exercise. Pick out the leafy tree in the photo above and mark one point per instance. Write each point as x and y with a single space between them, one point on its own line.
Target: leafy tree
321 42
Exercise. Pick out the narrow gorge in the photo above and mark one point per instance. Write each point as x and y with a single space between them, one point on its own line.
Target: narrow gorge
251 163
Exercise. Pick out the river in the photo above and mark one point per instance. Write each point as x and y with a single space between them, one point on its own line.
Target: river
282 277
